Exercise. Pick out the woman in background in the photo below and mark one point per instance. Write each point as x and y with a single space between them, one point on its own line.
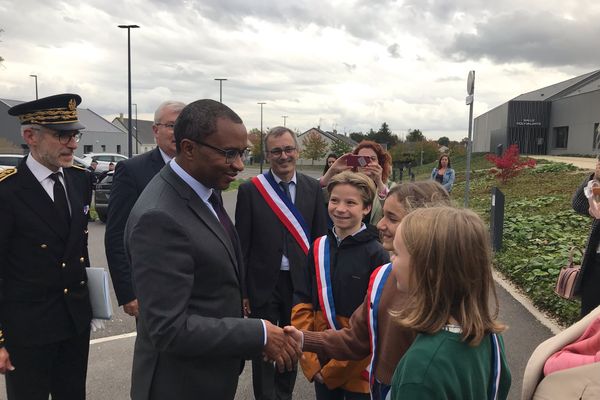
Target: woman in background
331 157
444 173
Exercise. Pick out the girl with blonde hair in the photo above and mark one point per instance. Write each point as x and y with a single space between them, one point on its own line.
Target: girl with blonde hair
443 266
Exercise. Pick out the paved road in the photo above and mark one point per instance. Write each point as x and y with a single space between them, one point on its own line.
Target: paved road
112 348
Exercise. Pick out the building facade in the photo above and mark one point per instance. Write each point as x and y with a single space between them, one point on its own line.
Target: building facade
556 120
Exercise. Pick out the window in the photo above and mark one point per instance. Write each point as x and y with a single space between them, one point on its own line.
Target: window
88 148
561 137
119 148
103 148
596 138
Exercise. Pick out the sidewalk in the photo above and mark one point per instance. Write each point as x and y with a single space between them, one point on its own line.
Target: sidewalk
580 162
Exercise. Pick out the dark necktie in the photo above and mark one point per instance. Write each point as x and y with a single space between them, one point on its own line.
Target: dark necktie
286 189
215 202
60 198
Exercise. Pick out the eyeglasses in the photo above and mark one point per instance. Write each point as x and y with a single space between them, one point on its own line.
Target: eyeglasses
230 154
64 137
278 151
168 126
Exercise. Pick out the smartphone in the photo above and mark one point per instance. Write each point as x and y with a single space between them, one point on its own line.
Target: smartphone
353 160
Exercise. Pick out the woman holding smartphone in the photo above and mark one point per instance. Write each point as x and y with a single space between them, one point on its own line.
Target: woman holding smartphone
372 160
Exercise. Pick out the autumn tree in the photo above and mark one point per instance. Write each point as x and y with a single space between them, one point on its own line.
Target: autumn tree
444 141
415 135
340 147
254 138
314 147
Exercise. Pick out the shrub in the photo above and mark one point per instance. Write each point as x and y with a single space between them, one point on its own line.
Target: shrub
509 164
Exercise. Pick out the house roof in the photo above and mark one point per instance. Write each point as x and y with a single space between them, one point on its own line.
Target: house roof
144 128
560 89
336 137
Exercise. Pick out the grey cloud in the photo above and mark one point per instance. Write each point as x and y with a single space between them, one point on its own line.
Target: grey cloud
542 39
350 67
394 50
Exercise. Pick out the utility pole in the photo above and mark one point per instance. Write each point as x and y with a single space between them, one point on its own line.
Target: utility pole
220 88
262 151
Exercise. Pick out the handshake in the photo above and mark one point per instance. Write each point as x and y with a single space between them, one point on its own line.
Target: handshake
284 346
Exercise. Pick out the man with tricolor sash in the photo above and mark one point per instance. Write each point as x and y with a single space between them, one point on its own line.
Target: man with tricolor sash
278 216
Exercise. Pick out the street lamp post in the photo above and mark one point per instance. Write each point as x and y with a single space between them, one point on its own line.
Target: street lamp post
284 119
220 88
36 90
136 130
262 152
129 128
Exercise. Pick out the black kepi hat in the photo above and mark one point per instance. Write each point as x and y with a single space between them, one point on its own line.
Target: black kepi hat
58 112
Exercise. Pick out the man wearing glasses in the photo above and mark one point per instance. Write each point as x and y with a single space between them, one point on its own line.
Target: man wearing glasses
191 337
45 310
274 252
130 178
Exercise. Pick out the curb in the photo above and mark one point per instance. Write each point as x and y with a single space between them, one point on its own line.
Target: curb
525 302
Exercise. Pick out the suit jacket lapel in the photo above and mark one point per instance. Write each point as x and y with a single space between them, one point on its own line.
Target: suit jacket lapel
157 161
201 210
303 202
78 218
33 194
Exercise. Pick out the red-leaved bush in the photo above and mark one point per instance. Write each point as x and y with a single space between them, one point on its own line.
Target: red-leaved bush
509 164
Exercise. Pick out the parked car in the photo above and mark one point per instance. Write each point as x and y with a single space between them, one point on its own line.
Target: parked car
103 159
102 195
10 160
80 162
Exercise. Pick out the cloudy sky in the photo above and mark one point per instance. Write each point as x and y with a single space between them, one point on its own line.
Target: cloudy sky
342 64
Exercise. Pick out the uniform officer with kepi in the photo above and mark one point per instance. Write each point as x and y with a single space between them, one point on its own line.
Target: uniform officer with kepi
45 310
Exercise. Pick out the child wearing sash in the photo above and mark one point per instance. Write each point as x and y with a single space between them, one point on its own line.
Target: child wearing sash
443 265
337 278
371 328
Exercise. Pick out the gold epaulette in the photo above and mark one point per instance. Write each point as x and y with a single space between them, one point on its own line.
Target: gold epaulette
6 173
78 167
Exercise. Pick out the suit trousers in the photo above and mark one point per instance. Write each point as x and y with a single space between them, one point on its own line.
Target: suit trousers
590 286
267 382
58 369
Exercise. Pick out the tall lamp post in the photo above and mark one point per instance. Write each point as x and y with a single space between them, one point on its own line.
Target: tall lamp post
136 130
220 88
36 90
284 119
262 152
129 129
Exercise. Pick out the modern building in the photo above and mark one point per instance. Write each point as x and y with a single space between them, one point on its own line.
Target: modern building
143 135
99 135
559 119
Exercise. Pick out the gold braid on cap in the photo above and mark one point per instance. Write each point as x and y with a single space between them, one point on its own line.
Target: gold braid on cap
50 116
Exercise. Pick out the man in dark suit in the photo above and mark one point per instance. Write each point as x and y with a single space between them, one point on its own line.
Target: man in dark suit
45 310
180 243
130 179
275 261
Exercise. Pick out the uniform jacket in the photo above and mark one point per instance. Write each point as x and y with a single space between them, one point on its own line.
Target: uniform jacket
191 337
351 263
43 283
580 205
262 234
130 179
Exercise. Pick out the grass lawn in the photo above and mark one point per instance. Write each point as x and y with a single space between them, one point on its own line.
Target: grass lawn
539 227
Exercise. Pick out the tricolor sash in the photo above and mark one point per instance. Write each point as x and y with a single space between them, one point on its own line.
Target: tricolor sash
284 209
376 284
323 273
496 367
